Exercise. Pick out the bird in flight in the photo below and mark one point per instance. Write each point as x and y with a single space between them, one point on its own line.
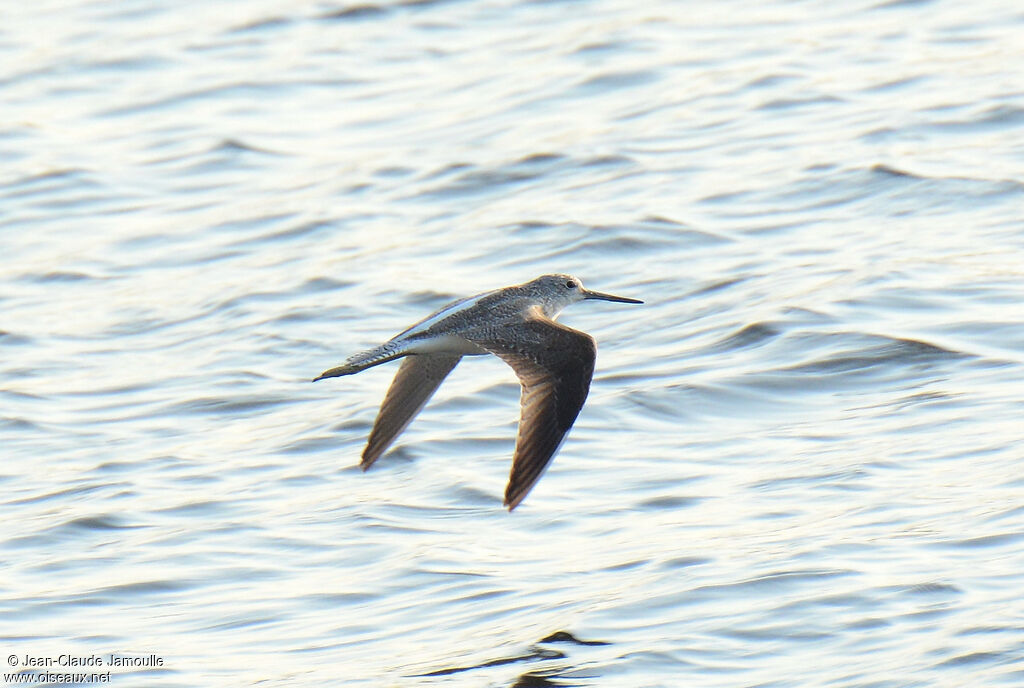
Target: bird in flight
554 364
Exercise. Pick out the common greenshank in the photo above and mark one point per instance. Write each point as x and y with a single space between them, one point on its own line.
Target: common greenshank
554 364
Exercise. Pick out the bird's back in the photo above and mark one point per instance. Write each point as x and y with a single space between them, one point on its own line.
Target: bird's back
489 309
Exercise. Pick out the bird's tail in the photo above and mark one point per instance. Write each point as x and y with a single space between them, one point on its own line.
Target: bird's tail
363 360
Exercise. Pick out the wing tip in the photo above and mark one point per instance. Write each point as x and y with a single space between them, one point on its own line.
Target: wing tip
368 460
515 495
372 452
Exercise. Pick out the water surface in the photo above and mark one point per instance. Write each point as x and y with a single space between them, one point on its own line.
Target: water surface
800 461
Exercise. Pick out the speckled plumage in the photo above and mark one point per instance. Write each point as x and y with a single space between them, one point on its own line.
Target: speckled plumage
554 364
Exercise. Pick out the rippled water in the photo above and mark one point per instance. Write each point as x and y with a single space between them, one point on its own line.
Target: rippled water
800 463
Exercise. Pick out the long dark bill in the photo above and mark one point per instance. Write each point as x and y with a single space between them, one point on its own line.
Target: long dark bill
587 294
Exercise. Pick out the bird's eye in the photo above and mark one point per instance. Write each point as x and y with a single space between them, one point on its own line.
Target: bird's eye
570 285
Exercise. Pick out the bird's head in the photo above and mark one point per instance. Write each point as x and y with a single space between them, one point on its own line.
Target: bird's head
555 292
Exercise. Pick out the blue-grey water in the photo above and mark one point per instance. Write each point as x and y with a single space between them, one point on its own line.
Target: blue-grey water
801 460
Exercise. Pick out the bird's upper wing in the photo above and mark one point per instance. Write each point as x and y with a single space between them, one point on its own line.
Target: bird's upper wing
415 382
554 364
